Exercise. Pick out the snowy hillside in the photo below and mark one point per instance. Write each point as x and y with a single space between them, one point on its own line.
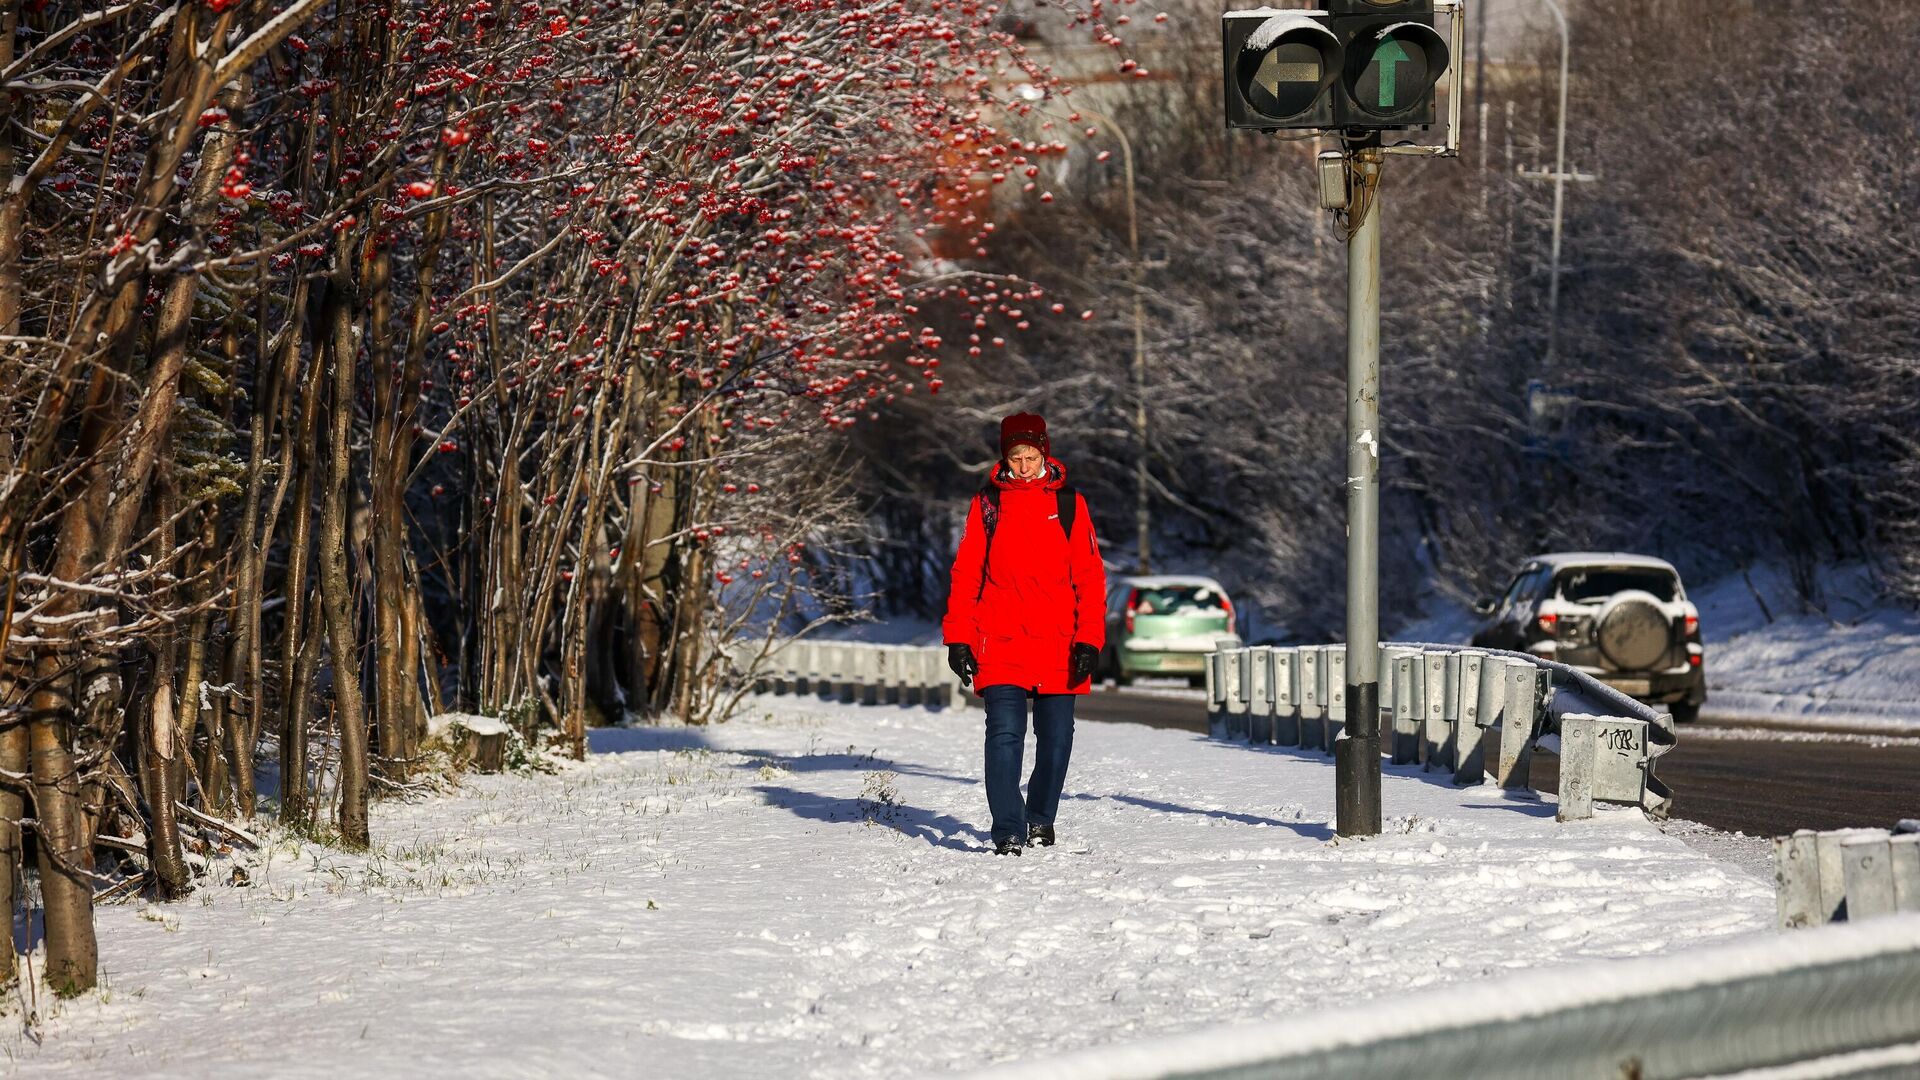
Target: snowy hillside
805 892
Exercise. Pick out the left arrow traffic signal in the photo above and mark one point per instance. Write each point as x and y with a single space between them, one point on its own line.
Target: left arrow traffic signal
1278 69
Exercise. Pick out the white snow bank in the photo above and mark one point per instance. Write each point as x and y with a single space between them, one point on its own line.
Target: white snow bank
1854 667
808 893
437 726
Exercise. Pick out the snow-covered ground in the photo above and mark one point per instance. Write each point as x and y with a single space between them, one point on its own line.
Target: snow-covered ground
806 892
1860 658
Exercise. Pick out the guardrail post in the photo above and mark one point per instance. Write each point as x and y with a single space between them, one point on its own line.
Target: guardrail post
828 685
1830 849
1313 726
848 683
1216 694
929 675
1796 874
1384 665
946 684
1463 749
1286 697
953 694
883 665
912 675
1406 708
1433 708
802 667
1260 696
1867 867
1334 663
1904 855
1234 668
906 674
779 665
1578 742
1601 758
1492 695
1620 756
867 673
898 664
1518 713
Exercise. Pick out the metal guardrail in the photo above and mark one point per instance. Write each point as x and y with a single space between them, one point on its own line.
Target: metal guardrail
1845 875
850 672
1810 1000
1468 711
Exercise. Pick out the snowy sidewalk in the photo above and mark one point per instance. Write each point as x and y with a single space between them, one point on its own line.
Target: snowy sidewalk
714 902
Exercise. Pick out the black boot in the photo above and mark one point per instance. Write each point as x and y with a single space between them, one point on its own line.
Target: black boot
1007 845
1040 834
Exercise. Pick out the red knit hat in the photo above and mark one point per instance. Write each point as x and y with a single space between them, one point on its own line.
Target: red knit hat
1029 428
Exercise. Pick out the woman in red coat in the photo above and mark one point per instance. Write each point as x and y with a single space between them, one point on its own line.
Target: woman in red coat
1025 622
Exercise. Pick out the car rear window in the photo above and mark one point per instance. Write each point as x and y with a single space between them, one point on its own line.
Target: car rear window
1590 583
1180 600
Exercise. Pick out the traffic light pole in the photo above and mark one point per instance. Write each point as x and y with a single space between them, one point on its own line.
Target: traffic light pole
1357 757
1359 68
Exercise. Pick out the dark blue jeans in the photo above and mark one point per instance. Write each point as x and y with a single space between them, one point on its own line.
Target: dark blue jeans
1006 745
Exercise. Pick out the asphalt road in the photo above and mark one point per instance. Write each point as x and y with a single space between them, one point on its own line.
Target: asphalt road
1758 785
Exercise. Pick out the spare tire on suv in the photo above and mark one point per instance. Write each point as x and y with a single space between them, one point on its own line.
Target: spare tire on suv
1632 631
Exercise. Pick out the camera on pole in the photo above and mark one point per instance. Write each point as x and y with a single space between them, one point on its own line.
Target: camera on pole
1368 65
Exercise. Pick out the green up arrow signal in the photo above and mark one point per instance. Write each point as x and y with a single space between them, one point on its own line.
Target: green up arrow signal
1390 52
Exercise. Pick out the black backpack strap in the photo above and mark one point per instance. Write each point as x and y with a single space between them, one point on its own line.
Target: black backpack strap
989 498
1069 506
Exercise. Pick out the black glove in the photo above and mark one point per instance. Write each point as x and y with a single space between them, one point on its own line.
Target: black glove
1081 660
960 659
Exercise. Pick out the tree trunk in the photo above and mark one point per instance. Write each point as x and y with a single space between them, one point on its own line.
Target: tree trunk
15 761
296 653
160 757
65 859
336 588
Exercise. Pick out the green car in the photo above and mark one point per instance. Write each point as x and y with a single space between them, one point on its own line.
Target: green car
1165 625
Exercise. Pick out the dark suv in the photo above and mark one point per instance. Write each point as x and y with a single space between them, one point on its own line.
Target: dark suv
1624 619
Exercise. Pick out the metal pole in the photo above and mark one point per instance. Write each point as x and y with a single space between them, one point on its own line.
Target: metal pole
1559 189
1357 757
1141 518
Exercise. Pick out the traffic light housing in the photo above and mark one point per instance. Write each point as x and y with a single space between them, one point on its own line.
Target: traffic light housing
1360 64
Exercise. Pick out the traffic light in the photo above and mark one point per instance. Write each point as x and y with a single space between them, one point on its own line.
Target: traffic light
1361 64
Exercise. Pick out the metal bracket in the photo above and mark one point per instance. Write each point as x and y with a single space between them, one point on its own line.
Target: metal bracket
1456 89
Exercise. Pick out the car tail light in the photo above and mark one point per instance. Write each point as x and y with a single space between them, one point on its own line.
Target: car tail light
1694 659
1693 625
1548 621
1133 600
1228 604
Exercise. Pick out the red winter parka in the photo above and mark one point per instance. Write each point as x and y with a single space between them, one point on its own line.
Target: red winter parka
1023 601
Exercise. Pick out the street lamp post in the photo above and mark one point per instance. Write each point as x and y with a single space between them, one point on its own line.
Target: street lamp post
1142 519
1559 188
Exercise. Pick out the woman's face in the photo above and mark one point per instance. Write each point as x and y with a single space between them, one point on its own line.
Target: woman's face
1026 462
